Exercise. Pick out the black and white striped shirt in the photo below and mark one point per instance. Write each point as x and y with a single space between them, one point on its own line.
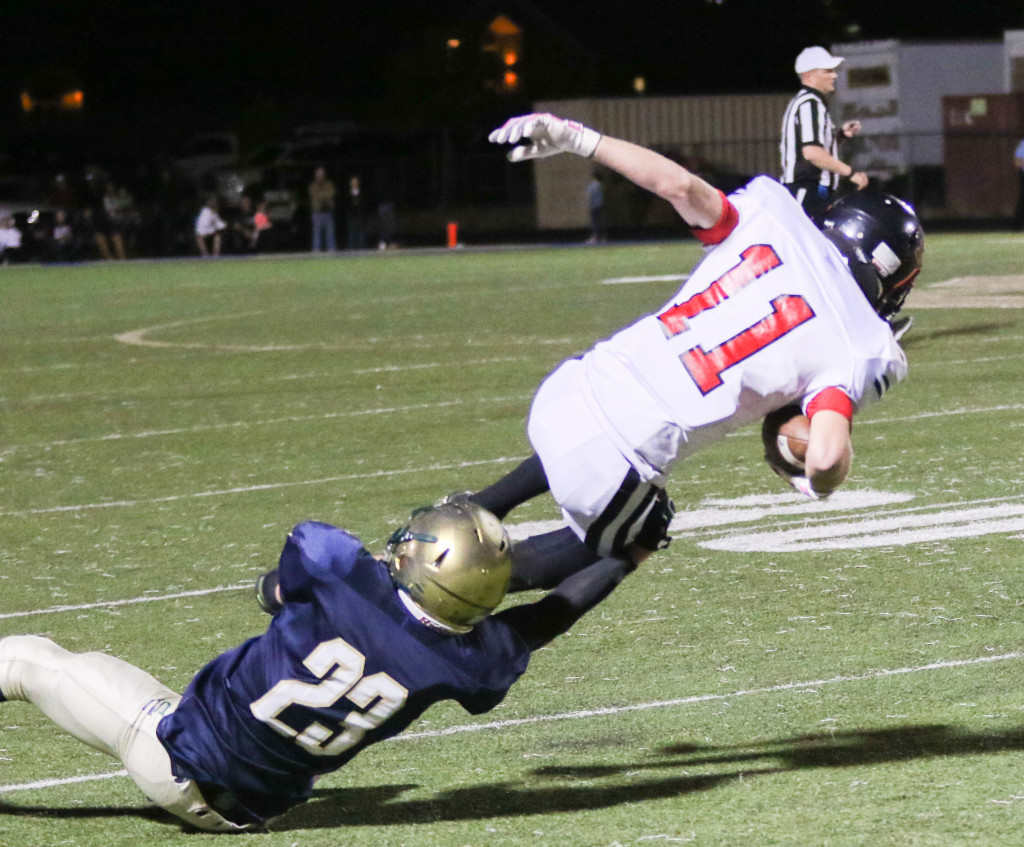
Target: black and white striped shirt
807 121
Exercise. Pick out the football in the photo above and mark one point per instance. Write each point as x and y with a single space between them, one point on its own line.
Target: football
785 434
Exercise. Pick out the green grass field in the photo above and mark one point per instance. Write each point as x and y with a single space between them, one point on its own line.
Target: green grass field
840 673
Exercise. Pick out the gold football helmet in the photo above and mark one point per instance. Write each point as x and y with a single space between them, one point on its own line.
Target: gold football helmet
453 561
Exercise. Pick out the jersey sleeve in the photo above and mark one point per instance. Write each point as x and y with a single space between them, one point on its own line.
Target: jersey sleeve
311 552
833 399
890 372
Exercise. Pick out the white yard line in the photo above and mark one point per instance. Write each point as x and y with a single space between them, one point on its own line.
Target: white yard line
387 410
705 698
628 280
130 601
326 416
605 711
270 486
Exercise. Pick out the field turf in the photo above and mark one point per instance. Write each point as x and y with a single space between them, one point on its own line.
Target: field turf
786 673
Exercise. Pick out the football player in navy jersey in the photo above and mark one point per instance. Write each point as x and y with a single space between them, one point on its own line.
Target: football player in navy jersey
357 649
778 313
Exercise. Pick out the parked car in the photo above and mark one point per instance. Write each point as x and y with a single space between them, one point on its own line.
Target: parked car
280 173
22 199
203 154
249 177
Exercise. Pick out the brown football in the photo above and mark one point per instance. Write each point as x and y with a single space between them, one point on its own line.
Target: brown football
785 434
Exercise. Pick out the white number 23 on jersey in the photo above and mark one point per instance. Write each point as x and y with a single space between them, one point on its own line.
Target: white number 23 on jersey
339 667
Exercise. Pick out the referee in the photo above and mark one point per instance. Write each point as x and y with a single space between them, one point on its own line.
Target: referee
810 165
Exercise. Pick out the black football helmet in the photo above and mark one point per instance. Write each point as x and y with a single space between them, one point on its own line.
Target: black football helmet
883 242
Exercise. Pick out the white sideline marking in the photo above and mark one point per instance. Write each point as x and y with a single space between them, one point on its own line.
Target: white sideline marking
429 365
269 486
603 712
131 601
626 280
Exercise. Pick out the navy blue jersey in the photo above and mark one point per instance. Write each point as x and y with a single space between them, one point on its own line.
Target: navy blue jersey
343 666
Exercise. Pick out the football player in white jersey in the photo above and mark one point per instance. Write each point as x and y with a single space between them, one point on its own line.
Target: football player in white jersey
777 313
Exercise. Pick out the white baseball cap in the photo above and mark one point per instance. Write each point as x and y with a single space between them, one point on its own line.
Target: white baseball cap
816 57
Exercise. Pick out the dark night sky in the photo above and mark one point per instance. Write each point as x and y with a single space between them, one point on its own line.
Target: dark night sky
164 68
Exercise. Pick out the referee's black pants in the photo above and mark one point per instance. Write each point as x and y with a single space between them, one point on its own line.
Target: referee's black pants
814 197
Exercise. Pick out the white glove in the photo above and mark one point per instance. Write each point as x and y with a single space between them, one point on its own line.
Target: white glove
799 483
803 485
548 135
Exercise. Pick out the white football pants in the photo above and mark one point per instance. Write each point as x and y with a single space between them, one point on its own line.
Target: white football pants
586 470
110 705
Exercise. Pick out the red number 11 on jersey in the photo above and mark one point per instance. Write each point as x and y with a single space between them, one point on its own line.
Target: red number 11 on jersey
705 367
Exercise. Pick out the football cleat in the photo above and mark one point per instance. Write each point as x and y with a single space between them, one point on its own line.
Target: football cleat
453 562
266 592
899 324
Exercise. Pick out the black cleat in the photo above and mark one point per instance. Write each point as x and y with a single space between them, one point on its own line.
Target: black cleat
899 324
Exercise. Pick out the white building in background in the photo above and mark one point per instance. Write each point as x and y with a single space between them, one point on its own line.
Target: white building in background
729 134
1013 43
895 89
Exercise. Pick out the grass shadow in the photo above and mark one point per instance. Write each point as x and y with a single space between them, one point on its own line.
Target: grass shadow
580 790
377 806
919 336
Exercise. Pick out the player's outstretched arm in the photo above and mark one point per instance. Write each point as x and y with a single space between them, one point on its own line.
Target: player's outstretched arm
540 135
540 622
696 201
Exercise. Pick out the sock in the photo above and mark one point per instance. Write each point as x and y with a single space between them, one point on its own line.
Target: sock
516 487
543 561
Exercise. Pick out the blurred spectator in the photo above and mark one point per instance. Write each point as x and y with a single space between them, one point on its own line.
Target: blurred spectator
10 241
387 224
248 229
595 203
62 246
131 219
117 204
1018 164
262 239
209 226
321 204
241 231
354 216
62 195
387 215
93 226
166 214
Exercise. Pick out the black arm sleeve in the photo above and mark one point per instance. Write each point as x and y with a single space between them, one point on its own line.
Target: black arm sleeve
517 486
538 623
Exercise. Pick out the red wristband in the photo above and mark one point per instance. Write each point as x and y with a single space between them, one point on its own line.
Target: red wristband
725 224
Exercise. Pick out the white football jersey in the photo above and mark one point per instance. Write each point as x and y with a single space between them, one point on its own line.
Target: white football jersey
771 316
